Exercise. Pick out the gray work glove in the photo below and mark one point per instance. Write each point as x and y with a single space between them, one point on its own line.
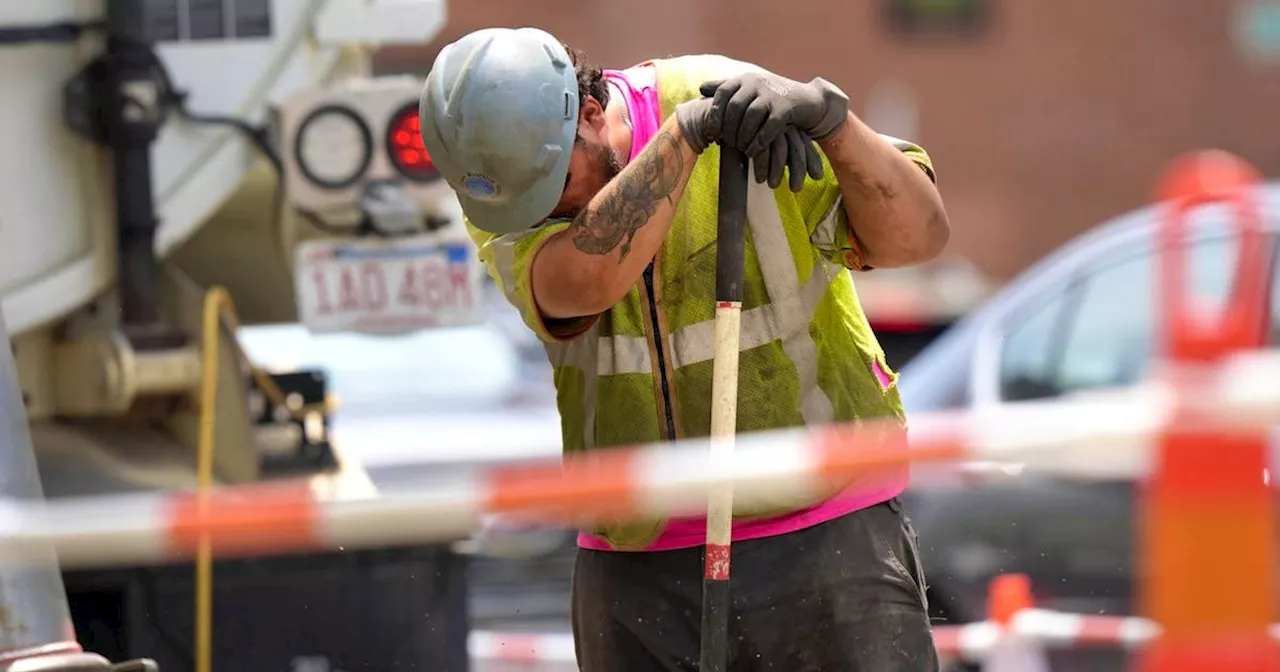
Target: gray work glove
756 109
699 122
758 105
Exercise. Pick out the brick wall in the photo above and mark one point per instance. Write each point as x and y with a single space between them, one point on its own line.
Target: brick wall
1053 117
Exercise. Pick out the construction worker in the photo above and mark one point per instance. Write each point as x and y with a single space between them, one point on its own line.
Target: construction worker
592 196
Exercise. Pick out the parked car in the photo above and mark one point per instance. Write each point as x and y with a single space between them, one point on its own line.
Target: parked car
1083 318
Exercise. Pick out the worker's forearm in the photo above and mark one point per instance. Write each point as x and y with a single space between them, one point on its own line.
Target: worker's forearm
591 265
893 206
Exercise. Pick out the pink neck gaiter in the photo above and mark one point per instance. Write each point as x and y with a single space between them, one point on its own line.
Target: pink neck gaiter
639 87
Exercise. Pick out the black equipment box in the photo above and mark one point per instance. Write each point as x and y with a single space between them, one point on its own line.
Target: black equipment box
381 610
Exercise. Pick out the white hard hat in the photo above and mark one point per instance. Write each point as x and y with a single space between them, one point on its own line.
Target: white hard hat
499 115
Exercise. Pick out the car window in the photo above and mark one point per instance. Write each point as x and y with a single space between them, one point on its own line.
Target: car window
1103 336
1109 339
1030 350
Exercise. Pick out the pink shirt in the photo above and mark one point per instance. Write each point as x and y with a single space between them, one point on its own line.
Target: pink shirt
640 92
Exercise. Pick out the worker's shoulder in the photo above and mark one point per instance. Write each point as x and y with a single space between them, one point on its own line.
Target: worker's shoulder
518 243
702 61
901 144
915 152
701 67
478 236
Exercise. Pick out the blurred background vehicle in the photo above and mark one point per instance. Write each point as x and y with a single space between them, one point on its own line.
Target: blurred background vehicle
171 162
1081 319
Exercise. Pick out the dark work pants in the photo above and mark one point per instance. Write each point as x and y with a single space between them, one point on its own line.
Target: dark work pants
843 596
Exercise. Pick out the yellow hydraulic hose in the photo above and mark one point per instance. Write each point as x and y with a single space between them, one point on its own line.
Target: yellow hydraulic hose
218 308
214 302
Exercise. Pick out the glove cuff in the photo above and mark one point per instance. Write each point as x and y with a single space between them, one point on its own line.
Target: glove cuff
835 109
690 118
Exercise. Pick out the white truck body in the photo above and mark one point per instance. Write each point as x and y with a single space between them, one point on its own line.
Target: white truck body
56 218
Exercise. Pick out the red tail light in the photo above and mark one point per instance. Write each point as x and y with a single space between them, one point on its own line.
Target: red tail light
404 146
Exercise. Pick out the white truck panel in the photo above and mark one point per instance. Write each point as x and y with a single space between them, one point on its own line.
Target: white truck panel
55 204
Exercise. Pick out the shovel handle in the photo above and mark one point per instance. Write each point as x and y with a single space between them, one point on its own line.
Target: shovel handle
730 249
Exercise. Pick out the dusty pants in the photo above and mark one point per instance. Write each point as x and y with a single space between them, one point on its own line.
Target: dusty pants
843 596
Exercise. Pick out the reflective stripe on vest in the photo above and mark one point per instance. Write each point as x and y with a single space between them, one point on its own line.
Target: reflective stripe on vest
504 260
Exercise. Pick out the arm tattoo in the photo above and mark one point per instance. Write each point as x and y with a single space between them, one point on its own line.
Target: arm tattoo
632 199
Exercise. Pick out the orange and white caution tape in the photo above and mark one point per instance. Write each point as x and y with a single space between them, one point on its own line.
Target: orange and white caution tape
1052 629
1100 435
969 642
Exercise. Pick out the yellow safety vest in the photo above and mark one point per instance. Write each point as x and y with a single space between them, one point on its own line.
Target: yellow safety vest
641 372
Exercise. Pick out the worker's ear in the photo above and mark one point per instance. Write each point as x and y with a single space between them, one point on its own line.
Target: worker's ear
592 115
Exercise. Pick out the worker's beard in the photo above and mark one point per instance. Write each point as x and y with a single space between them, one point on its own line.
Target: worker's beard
605 161
599 165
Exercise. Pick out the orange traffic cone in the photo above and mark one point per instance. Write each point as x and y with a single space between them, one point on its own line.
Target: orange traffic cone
1009 595
1207 490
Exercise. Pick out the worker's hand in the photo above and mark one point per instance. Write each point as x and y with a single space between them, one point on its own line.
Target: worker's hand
699 122
757 107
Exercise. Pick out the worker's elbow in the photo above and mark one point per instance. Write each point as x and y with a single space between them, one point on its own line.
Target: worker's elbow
937 232
572 301
915 236
933 234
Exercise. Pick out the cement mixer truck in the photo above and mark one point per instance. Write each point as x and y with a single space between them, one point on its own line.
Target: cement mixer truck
174 167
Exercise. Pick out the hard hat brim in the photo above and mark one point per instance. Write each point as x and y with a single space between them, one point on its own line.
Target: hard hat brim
526 211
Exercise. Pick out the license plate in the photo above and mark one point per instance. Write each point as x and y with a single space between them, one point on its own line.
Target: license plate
387 286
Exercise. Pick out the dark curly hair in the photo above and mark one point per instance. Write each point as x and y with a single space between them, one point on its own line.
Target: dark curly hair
590 77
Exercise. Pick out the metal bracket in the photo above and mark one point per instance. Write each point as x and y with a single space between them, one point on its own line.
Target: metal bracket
313 451
391 211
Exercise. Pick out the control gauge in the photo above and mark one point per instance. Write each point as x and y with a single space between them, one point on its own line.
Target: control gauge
333 147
